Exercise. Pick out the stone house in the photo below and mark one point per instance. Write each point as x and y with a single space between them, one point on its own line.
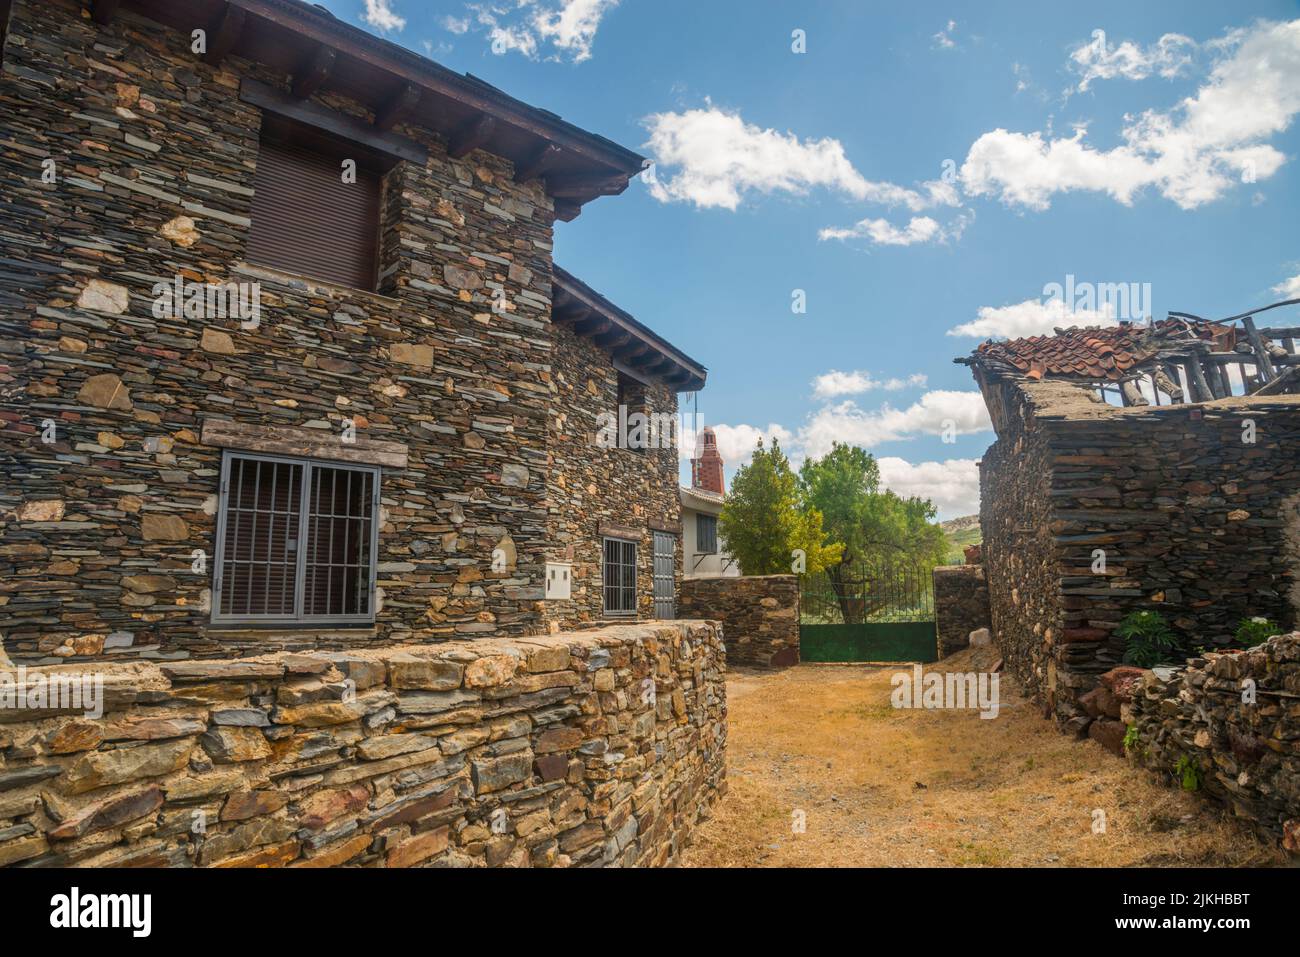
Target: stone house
286 362
704 549
1184 499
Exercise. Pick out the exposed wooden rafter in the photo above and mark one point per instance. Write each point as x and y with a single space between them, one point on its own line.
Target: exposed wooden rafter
567 211
398 107
224 34
567 187
472 136
540 162
314 72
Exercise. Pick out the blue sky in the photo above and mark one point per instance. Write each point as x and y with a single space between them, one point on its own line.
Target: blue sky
919 168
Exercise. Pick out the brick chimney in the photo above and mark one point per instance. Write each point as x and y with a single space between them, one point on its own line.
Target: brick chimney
706 467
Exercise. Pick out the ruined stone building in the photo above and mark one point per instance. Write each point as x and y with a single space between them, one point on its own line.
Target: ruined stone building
286 360
1182 500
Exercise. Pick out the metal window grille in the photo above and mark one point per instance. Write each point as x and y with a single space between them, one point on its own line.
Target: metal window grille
706 534
620 577
296 541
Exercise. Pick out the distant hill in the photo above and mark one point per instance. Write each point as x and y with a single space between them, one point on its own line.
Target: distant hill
961 532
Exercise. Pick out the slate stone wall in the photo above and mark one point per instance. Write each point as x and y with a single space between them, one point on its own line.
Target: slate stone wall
759 616
601 748
596 488
154 157
961 605
1194 523
1233 723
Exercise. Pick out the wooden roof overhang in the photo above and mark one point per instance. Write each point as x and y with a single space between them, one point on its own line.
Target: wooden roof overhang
317 51
636 350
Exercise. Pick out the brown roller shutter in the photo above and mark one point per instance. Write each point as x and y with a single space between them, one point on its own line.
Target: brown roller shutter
306 220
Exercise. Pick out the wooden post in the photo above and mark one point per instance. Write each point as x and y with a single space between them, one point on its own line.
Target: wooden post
1196 378
1265 362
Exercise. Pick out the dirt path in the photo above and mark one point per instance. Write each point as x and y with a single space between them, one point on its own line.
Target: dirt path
885 787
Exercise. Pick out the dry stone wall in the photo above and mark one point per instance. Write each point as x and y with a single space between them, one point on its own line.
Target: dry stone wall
961 605
759 616
1229 725
603 748
1190 521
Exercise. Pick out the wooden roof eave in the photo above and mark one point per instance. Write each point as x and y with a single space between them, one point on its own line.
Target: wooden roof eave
628 341
317 51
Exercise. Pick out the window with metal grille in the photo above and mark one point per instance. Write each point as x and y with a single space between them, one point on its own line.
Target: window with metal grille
706 534
620 577
296 541
305 218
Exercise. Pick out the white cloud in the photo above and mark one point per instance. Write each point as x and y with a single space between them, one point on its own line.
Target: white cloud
380 15
716 158
1289 288
943 39
919 229
1095 60
567 27
833 384
573 27
456 25
952 485
1032 317
934 412
736 442
1192 154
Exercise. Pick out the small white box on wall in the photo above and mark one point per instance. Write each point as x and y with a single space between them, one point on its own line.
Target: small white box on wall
559 580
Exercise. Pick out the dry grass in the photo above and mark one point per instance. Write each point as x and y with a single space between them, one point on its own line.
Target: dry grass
883 788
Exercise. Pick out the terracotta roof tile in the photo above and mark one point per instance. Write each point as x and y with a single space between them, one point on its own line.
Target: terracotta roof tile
1098 353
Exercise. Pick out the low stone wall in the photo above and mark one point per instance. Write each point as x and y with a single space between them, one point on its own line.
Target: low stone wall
759 615
961 605
599 748
1233 721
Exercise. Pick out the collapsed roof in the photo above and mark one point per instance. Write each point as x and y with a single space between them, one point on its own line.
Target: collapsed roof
1181 358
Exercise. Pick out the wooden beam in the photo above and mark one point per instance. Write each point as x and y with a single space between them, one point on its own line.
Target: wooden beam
1132 393
1168 384
615 337
291 440
1201 391
314 114
1264 361
541 161
103 11
472 136
401 105
567 211
311 76
224 34
591 326
630 352
1285 380
570 187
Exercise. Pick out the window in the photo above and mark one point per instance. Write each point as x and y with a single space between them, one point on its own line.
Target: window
296 541
620 577
306 219
706 534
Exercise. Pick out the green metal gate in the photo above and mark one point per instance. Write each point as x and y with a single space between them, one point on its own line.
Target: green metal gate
880 609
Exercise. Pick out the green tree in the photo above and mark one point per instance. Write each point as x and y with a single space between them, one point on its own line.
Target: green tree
882 532
763 524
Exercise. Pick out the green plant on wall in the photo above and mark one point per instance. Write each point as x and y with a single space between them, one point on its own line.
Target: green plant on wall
1255 631
1188 773
1150 641
1131 737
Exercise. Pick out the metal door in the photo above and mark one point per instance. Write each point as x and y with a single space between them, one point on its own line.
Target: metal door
665 578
